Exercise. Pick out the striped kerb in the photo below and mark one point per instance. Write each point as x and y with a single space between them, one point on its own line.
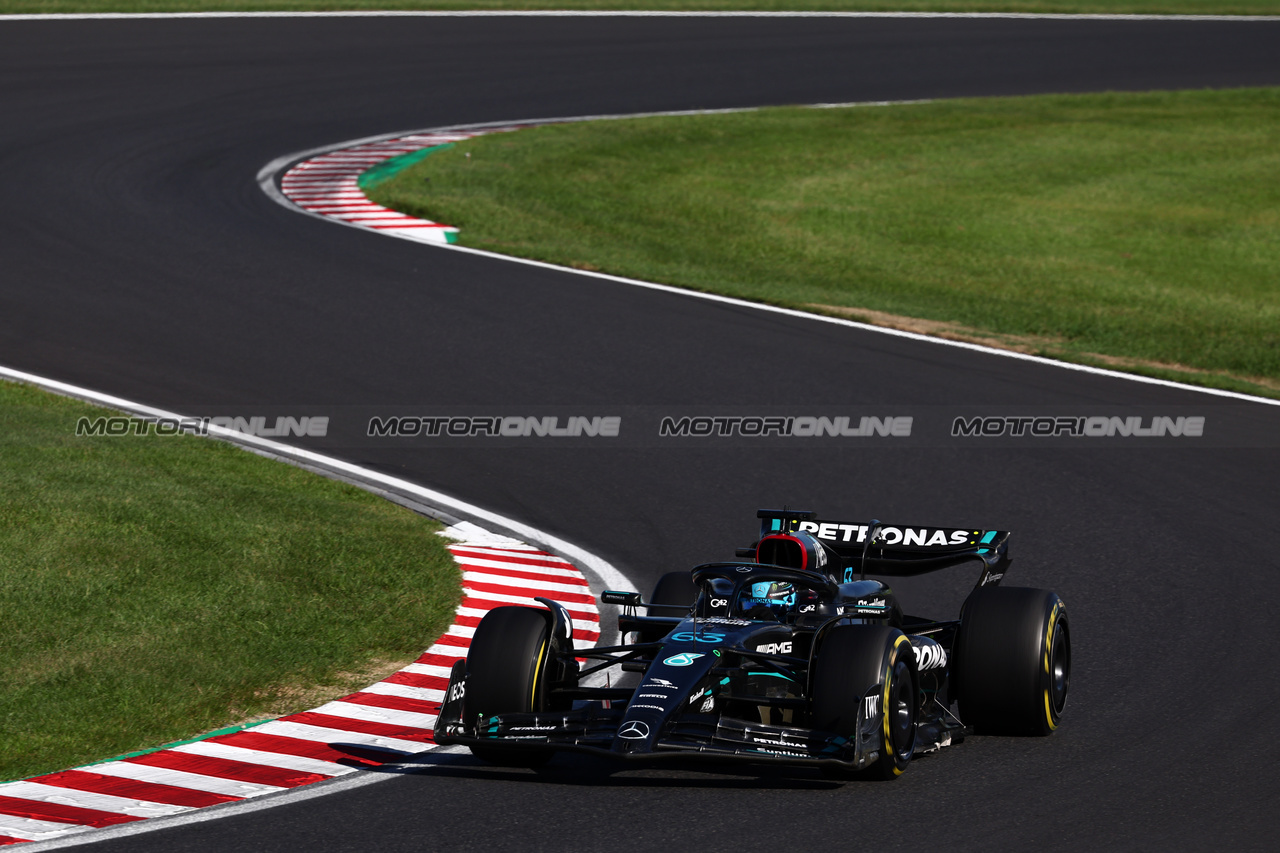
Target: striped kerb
328 185
383 723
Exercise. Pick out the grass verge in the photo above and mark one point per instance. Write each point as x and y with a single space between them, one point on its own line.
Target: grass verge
1146 7
153 588
1131 230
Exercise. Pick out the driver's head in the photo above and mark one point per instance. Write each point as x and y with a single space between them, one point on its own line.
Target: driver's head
777 598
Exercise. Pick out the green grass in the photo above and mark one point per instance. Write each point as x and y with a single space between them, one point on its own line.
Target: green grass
1151 7
155 588
1133 229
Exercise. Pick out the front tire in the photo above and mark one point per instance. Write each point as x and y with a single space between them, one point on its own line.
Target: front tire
850 661
507 672
1013 661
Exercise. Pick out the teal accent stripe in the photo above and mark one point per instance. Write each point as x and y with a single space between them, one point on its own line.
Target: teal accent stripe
990 534
388 169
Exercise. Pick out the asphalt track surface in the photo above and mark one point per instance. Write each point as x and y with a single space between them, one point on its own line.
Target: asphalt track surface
140 258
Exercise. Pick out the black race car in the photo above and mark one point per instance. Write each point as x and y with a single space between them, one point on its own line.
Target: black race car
788 654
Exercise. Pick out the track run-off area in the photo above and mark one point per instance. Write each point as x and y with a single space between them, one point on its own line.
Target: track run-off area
380 727
143 260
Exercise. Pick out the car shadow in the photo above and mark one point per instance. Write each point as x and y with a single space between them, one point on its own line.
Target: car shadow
582 771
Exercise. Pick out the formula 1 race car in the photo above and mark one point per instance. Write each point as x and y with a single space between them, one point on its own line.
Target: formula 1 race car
789 654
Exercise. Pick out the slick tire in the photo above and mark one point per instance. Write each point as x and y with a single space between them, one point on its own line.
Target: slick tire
1012 661
850 660
507 672
672 588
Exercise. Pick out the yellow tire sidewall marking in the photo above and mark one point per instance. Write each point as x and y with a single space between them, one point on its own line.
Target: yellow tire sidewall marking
537 670
1048 647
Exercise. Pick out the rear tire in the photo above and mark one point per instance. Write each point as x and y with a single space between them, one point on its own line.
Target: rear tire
1013 661
850 661
672 588
507 672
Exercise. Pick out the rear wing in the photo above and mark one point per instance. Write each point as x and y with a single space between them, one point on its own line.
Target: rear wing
897 550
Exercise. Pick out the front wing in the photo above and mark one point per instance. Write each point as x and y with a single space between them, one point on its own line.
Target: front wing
600 730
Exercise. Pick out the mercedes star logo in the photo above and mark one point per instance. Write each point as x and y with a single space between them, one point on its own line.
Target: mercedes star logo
634 730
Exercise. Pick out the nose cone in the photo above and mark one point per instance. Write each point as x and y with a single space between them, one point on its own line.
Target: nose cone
683 663
635 736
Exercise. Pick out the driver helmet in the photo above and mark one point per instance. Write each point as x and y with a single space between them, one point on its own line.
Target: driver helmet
774 596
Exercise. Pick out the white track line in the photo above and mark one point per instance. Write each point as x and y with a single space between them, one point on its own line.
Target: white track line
284 759
299 749
1016 16
267 182
610 576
